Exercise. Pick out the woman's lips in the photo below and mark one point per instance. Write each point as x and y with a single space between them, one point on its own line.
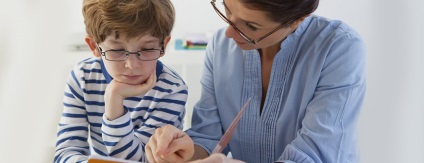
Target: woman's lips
240 43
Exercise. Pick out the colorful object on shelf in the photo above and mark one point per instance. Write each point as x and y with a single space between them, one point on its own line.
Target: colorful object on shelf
192 41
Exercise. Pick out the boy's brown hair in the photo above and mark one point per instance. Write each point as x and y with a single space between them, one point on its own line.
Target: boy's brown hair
128 18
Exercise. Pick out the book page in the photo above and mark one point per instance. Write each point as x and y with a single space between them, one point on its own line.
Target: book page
103 159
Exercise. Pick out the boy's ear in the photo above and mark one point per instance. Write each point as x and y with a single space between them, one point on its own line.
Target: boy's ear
165 43
92 45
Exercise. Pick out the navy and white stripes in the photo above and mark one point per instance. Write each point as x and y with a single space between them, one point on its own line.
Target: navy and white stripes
83 130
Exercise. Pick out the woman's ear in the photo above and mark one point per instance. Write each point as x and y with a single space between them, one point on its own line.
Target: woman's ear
165 43
92 45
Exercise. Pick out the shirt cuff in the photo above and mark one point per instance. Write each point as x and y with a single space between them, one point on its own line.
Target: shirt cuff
284 161
292 154
119 127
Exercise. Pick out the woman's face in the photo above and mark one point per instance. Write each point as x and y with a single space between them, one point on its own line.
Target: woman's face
254 24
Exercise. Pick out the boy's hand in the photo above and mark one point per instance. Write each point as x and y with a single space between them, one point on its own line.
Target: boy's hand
127 90
117 91
169 144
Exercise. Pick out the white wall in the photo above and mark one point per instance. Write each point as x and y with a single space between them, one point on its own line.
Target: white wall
32 77
34 36
391 127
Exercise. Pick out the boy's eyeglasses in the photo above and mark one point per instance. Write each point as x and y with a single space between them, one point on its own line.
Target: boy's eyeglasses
244 36
122 55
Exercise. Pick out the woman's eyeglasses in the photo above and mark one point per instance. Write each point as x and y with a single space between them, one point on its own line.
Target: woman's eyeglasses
244 36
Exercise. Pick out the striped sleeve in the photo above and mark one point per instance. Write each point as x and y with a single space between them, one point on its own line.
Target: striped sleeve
72 131
125 137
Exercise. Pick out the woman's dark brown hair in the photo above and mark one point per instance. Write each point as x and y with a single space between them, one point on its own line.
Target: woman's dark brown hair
284 11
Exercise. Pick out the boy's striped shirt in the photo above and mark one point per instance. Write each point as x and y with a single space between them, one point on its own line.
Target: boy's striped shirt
83 130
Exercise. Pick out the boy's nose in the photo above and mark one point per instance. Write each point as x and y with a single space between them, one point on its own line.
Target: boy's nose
132 61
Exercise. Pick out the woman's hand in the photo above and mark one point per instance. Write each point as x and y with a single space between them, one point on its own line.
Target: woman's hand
217 158
169 144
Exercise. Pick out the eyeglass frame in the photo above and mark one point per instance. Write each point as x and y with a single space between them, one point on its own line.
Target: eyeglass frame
127 54
244 36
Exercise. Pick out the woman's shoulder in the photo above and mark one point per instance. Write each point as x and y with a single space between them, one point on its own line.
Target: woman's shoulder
219 38
330 27
220 46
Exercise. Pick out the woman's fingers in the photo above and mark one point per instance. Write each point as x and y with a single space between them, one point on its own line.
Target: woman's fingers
217 158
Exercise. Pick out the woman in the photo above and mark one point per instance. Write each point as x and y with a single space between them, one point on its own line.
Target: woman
305 76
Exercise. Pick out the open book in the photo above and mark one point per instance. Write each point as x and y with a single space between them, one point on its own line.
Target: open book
103 159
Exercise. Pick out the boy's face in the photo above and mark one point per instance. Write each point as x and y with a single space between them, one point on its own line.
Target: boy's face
133 70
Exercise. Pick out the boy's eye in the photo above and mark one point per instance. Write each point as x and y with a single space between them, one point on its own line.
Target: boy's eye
147 49
117 49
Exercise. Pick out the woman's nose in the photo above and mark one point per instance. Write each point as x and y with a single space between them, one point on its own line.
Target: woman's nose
230 32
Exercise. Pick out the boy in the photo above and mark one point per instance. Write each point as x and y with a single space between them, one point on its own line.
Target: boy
119 97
